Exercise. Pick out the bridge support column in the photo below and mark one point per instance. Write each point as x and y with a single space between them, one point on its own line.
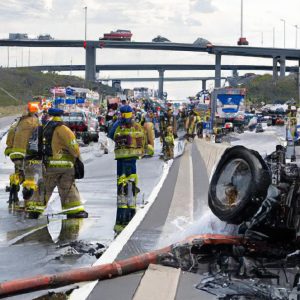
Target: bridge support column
282 66
161 84
275 73
299 83
203 84
218 71
90 64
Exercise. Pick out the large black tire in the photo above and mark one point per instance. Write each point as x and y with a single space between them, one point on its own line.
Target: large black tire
250 199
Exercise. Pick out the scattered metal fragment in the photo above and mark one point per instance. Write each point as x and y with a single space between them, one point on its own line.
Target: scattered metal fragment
79 248
225 288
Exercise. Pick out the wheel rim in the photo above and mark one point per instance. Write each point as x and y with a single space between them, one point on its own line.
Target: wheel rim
233 183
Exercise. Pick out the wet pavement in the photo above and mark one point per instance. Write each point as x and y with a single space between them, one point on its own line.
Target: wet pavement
30 247
151 233
47 246
263 142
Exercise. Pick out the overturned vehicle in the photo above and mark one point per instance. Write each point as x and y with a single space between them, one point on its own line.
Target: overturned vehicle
260 195
259 256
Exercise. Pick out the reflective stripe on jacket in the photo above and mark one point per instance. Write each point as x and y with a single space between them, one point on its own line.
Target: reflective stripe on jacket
65 148
129 141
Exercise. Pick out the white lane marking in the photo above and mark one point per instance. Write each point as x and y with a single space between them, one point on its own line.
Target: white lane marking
117 245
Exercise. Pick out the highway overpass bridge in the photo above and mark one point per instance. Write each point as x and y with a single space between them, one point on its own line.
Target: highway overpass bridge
147 79
161 68
157 67
279 55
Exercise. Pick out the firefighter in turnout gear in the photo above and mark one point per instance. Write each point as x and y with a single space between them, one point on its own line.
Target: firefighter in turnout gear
148 124
129 139
17 140
191 124
33 186
60 152
168 131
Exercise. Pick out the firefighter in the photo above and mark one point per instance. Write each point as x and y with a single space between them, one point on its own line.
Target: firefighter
148 124
129 140
191 124
17 140
169 144
168 133
60 151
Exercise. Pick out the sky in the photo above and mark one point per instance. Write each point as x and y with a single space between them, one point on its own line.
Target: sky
179 20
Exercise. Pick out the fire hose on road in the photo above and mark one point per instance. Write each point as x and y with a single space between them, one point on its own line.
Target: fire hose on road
107 271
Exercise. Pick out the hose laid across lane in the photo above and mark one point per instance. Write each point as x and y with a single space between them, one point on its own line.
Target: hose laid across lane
106 271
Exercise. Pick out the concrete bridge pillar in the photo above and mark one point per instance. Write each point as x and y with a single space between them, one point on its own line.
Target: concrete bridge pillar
298 83
218 71
275 73
282 66
203 84
161 83
90 63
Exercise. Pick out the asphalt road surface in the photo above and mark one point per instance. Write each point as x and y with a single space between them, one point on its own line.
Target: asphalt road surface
30 247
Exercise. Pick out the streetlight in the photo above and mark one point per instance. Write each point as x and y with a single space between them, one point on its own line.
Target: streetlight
296 42
242 10
71 66
242 40
283 20
85 22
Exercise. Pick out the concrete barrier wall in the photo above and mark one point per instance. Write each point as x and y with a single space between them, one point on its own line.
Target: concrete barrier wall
210 153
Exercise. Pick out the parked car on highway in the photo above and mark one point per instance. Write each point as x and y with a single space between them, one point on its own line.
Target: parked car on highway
84 124
160 39
45 37
228 127
201 42
242 41
279 121
118 35
18 36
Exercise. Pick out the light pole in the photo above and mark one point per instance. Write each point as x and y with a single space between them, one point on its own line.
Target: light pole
85 22
242 2
242 41
283 20
296 42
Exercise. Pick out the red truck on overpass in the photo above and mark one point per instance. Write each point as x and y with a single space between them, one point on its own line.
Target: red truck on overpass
118 35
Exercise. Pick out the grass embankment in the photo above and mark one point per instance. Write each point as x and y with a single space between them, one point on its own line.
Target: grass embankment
264 89
18 86
11 110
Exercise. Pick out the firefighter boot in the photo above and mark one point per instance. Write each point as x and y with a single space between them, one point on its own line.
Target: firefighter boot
14 188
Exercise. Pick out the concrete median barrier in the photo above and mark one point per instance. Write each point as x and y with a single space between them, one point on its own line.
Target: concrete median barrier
210 153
